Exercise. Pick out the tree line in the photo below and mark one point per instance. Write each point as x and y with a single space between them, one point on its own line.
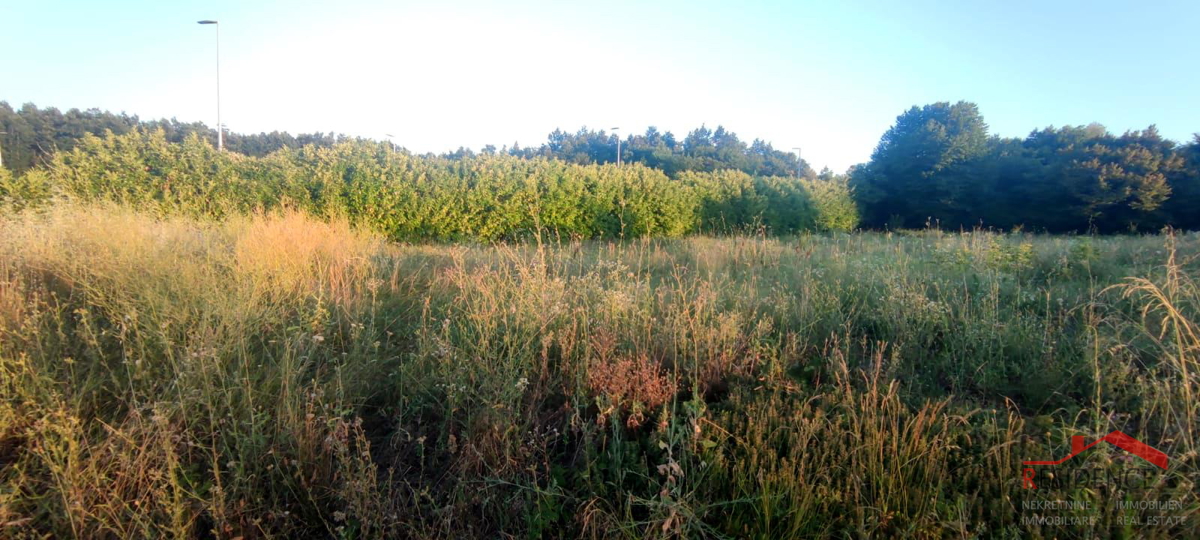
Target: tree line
938 166
417 198
703 150
33 134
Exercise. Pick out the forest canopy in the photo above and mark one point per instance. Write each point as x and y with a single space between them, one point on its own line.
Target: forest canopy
33 134
937 166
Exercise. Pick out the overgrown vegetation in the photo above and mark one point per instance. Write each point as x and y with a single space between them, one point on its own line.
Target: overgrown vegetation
277 375
211 344
30 136
414 198
938 166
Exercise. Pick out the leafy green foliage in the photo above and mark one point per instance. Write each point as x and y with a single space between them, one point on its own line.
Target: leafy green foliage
703 150
32 135
487 197
936 166
920 167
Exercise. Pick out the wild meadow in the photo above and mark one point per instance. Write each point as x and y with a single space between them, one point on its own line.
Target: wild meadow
276 375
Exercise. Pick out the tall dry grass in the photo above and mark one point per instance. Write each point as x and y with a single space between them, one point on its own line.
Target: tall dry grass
154 363
281 376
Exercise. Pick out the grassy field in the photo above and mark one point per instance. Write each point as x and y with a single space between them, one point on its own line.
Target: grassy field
279 376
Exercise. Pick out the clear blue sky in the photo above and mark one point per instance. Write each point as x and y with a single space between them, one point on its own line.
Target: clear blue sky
828 77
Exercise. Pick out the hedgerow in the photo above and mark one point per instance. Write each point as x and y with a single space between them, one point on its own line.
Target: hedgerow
418 198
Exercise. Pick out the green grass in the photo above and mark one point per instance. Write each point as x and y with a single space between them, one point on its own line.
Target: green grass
279 376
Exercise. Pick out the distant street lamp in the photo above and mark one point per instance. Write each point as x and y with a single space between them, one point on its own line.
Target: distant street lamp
220 128
615 130
392 140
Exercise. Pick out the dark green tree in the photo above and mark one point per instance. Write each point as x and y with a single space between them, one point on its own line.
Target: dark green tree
1182 209
920 170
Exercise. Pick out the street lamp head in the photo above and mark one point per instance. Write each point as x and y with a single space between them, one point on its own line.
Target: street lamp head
206 21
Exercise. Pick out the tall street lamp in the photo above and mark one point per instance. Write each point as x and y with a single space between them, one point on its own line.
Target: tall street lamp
220 130
614 130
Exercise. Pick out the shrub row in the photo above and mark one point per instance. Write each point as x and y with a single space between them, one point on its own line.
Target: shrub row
408 197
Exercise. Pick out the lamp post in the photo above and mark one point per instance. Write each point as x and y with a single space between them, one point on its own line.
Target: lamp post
220 129
615 130
392 140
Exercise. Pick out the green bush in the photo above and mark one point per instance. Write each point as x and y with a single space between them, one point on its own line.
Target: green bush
731 201
414 198
833 203
20 191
